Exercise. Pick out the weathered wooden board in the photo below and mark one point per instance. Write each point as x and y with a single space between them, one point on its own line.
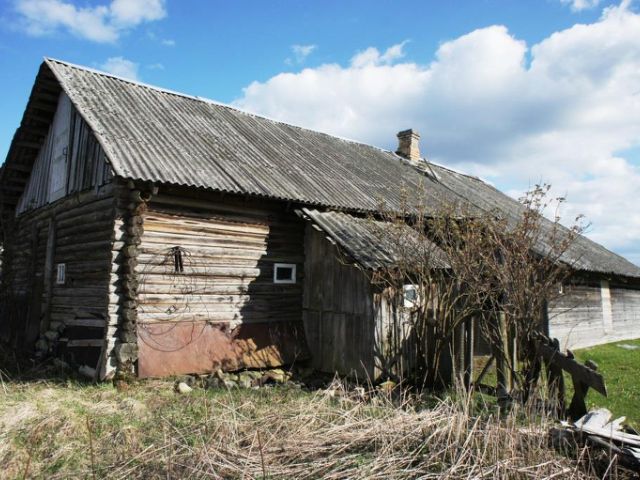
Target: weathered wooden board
224 289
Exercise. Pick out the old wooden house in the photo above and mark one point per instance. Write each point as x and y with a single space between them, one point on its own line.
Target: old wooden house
154 233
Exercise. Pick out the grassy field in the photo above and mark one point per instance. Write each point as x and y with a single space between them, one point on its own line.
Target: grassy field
62 427
68 429
620 366
619 363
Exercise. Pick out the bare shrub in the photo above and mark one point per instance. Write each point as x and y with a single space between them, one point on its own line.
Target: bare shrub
501 268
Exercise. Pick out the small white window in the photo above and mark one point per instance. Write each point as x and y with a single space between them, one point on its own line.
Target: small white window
410 296
61 273
284 273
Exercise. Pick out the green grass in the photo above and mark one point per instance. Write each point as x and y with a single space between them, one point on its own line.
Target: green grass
620 368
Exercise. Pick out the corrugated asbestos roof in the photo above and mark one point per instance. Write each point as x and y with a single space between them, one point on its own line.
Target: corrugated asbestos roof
155 135
364 239
583 254
151 134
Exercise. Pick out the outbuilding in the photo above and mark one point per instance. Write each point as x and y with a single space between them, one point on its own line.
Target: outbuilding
153 233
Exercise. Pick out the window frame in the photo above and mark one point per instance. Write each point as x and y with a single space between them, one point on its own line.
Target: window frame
61 273
410 304
289 281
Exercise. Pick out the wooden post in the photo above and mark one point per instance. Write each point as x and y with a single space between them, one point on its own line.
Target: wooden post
48 275
458 352
469 326
577 408
555 381
502 377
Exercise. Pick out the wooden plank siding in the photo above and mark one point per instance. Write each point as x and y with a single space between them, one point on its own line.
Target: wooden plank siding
338 311
575 317
351 327
594 313
221 308
625 303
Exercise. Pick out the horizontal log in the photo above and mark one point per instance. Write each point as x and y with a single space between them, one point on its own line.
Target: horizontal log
267 290
176 224
217 317
85 343
86 322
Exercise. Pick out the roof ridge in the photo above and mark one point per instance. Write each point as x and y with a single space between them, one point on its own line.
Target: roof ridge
210 101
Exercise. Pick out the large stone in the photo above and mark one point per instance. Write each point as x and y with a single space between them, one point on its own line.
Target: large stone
230 384
277 375
42 345
51 335
57 326
213 382
126 352
182 387
127 336
245 382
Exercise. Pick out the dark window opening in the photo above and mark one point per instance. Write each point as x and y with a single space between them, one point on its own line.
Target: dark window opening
178 263
284 273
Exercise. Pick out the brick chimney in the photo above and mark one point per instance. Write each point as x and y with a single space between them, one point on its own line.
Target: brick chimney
409 145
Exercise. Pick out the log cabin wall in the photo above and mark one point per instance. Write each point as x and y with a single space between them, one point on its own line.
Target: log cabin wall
57 245
594 311
575 316
206 292
625 306
56 276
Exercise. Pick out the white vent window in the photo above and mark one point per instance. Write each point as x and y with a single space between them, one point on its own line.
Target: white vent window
411 296
61 273
284 273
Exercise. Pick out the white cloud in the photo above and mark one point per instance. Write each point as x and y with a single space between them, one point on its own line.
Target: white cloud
102 23
579 5
372 56
121 67
561 111
302 51
168 42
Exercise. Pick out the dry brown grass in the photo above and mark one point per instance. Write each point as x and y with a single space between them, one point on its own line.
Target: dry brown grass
72 430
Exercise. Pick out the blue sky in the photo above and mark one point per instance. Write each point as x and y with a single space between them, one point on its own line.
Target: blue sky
513 91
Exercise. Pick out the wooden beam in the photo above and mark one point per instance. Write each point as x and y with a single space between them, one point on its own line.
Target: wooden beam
575 369
85 343
86 322
469 327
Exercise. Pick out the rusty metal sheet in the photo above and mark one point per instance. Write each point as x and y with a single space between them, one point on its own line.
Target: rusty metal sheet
171 348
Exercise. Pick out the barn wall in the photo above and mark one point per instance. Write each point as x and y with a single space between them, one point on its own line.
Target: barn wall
625 306
594 313
63 217
223 310
338 311
69 318
350 325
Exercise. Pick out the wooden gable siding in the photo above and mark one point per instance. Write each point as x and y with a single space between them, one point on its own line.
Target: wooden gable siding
69 161
65 216
221 307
